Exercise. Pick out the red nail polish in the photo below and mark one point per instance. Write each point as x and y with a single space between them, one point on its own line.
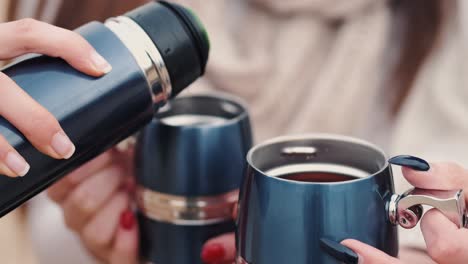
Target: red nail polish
127 220
213 253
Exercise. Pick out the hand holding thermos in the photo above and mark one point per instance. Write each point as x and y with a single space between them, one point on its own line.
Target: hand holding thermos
155 51
35 122
45 133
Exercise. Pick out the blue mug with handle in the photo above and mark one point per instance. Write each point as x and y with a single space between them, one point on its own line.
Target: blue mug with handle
299 189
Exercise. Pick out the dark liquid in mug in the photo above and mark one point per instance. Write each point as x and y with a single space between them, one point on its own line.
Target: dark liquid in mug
318 177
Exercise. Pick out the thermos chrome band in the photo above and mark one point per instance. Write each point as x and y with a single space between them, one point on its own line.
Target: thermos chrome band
180 210
146 54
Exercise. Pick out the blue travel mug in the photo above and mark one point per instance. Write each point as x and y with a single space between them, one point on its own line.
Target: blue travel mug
300 189
189 166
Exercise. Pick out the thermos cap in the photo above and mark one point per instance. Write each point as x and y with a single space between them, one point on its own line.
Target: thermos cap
180 38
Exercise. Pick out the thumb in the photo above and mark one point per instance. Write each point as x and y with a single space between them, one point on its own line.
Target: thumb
368 254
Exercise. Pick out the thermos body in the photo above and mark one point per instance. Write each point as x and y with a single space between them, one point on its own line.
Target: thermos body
82 104
151 63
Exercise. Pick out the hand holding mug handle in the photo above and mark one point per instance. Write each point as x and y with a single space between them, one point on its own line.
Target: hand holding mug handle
406 209
446 242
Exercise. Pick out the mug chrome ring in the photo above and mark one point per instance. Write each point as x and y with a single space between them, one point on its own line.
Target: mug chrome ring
181 210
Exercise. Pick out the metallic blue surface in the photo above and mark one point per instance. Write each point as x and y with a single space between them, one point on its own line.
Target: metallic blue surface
166 243
282 221
95 112
190 161
193 160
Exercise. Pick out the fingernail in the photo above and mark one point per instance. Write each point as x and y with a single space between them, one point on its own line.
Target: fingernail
16 163
213 253
412 162
127 220
338 251
100 63
62 145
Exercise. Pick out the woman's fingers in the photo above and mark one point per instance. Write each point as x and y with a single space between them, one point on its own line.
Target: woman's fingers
60 190
11 162
446 243
219 249
368 254
90 196
79 175
27 36
441 176
125 250
93 200
98 234
37 124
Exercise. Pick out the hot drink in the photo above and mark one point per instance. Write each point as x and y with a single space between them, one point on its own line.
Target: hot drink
316 176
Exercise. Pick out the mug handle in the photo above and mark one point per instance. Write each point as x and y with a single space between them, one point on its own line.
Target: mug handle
406 209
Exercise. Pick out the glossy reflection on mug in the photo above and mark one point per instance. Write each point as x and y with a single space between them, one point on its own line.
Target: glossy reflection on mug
300 189
189 166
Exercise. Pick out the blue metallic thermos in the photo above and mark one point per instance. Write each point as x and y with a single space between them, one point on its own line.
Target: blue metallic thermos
156 51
